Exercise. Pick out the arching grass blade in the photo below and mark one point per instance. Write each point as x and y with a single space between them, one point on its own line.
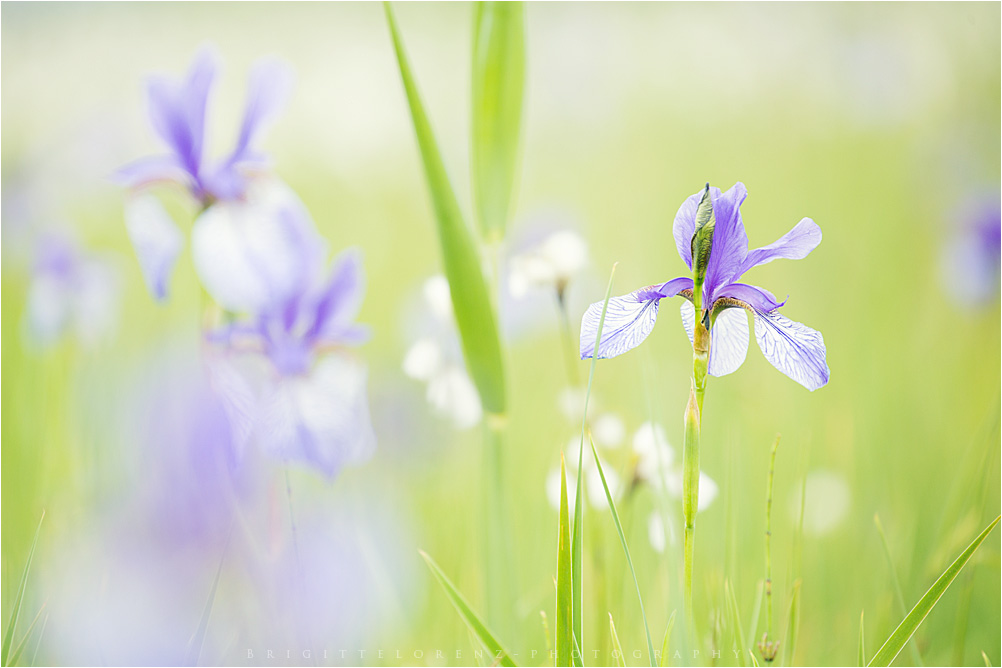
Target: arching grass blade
739 634
861 653
563 618
664 643
479 629
8 637
893 645
616 646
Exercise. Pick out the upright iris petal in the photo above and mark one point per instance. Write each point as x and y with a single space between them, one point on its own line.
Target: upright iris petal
796 350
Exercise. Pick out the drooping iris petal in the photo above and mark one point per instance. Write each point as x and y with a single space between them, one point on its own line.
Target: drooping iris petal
728 338
794 245
685 224
255 255
752 295
268 89
730 243
320 419
628 320
156 239
795 349
153 169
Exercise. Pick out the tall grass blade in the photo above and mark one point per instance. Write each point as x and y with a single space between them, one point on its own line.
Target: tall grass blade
577 538
194 650
896 581
792 627
664 643
501 656
626 550
861 652
471 300
563 619
756 611
988 662
8 636
38 641
893 645
617 648
739 634
19 650
498 84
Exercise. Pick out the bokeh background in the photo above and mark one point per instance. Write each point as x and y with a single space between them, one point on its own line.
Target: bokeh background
879 121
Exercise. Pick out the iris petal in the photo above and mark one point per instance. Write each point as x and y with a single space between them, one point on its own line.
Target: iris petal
156 239
730 243
794 245
628 320
728 338
795 349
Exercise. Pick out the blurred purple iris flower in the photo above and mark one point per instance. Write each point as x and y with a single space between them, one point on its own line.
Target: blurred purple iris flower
308 393
72 292
796 350
177 112
971 259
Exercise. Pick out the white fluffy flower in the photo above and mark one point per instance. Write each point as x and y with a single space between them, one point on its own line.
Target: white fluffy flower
553 262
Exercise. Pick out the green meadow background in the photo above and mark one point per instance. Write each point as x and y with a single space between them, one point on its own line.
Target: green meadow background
879 121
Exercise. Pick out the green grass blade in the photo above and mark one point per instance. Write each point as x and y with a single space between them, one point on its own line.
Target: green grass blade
498 84
471 300
756 611
898 591
577 538
563 619
194 650
479 629
893 645
8 637
38 641
792 627
988 662
739 634
620 659
664 643
861 653
626 549
19 650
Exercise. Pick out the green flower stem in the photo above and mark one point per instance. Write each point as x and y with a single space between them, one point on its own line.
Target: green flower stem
498 563
690 453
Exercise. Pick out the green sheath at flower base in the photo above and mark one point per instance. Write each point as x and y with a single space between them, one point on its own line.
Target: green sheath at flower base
471 300
702 239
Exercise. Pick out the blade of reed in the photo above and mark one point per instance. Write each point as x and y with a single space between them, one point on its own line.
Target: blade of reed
8 637
792 627
620 660
664 643
577 538
916 658
194 650
739 634
15 657
896 641
564 630
501 656
471 300
498 84
861 652
626 550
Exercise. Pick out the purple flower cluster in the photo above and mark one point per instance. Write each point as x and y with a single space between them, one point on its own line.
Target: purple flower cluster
796 350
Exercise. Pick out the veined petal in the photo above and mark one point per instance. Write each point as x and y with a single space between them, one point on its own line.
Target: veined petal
794 245
177 110
685 224
628 321
730 243
728 338
793 348
752 295
321 419
675 286
156 239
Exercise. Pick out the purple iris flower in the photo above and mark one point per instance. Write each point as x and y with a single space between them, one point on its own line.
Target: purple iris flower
177 112
308 394
971 259
796 350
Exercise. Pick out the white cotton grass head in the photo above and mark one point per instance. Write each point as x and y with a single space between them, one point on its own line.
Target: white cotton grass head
438 297
594 490
655 455
708 489
608 431
827 500
571 404
551 263
452 394
661 531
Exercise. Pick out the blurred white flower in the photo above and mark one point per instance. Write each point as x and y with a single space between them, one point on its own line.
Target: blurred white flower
571 403
656 533
656 465
435 360
72 292
608 430
594 490
826 502
551 263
